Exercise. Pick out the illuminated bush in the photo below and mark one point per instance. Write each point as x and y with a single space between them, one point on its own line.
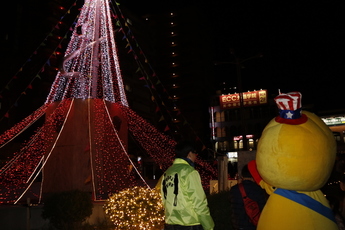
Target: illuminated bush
136 208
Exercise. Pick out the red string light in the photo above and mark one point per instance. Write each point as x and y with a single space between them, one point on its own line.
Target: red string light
101 85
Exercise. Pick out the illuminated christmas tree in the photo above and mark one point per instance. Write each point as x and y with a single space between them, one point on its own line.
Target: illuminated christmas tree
83 143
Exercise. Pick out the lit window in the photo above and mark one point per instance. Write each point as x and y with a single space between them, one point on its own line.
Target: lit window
251 143
236 145
241 144
226 146
222 117
223 132
218 117
219 132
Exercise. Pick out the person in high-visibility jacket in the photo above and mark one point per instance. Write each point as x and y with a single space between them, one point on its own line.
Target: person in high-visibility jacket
183 196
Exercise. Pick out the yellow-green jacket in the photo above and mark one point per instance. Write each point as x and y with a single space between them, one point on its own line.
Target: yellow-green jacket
183 197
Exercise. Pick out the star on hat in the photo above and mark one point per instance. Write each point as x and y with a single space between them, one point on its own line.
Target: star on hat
290 111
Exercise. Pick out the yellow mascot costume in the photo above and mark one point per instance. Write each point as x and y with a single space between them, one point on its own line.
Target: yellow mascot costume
294 159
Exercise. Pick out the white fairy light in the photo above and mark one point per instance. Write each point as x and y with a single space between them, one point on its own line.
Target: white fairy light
91 68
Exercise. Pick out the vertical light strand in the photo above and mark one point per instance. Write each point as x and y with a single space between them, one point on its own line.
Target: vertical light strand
115 57
91 151
123 148
91 67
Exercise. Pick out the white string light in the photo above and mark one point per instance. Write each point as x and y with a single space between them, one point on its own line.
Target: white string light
91 68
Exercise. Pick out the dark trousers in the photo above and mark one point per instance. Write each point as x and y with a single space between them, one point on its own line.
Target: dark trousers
180 227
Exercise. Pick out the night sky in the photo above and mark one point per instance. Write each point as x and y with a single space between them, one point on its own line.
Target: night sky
301 43
302 46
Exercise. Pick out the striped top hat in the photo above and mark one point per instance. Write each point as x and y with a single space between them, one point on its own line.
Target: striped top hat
290 111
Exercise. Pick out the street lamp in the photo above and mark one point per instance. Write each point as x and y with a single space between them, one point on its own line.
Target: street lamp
238 62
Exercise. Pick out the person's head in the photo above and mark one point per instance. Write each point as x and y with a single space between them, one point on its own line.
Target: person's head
245 173
185 149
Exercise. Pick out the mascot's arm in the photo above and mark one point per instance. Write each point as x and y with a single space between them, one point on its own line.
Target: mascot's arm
258 179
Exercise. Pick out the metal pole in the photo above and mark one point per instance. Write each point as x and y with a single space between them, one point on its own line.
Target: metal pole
28 214
242 112
222 173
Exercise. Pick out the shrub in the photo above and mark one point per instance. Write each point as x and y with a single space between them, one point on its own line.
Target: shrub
67 210
136 208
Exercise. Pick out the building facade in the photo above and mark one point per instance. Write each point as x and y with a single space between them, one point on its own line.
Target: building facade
230 122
